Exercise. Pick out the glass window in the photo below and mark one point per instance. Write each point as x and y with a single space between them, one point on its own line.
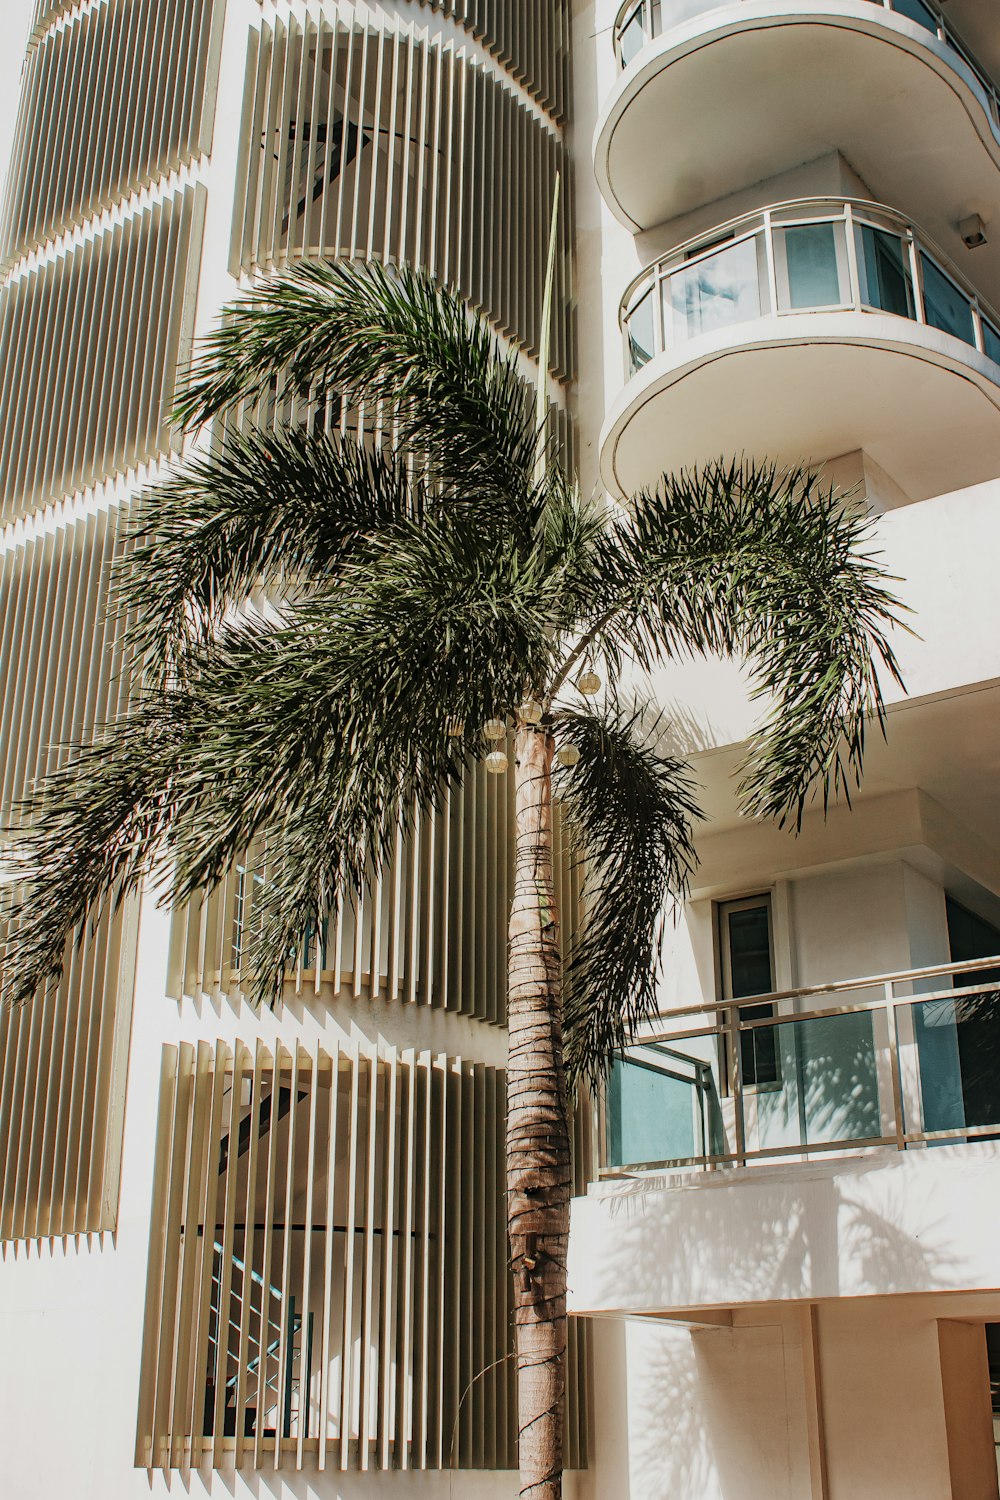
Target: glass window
991 341
641 333
811 265
945 306
748 969
919 12
883 266
715 292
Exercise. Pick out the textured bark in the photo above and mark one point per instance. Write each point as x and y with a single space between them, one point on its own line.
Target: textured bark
538 1152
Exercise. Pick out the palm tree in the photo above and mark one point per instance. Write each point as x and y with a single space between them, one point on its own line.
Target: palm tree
430 585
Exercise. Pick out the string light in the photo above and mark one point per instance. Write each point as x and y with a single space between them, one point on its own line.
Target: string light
588 683
496 762
530 712
495 729
568 755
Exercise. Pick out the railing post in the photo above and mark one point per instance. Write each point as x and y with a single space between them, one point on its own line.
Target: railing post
772 274
735 1055
899 1127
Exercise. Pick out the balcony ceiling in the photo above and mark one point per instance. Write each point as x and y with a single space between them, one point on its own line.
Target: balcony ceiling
808 387
978 24
749 91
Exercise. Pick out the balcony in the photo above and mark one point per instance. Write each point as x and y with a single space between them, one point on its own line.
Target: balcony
779 1151
756 87
898 1060
803 331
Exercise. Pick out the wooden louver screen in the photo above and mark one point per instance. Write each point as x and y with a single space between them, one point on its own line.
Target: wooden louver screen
89 348
370 143
118 98
328 1271
434 920
63 1065
530 37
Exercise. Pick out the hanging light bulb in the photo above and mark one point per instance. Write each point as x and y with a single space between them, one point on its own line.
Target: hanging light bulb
588 683
495 729
530 712
568 755
496 762
456 728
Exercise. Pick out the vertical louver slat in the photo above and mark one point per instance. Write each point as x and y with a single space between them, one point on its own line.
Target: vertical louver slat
377 163
94 338
116 98
327 1270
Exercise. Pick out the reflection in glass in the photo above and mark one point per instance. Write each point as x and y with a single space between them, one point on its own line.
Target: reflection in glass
663 1103
883 266
720 290
632 36
812 265
958 1052
641 333
945 307
991 341
828 1085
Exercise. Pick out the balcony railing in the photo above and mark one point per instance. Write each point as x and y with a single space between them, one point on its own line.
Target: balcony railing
641 21
895 1060
808 255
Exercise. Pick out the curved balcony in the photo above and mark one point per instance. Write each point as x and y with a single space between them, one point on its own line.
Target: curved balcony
752 88
804 331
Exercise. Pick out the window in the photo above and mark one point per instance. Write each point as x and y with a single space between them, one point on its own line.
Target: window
746 950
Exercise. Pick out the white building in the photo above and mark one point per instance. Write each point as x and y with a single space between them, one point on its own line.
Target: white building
263 1254
793 1249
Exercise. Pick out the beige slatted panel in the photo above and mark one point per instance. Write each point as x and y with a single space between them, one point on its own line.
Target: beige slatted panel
364 142
328 1276
107 113
95 337
531 39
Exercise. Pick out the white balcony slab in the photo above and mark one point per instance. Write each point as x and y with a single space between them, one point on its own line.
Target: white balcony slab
889 1224
805 387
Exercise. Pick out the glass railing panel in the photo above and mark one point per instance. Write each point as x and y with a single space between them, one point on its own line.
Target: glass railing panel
991 341
945 305
811 266
917 11
641 331
714 292
958 1060
884 272
633 35
663 1103
826 1090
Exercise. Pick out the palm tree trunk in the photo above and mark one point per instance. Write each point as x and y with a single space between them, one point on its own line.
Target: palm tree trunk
538 1156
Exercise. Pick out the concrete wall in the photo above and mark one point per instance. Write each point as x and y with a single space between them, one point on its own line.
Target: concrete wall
732 1413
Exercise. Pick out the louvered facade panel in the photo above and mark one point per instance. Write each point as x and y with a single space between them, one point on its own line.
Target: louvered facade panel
328 1279
531 38
117 98
61 661
368 143
430 929
89 347
47 11
63 1065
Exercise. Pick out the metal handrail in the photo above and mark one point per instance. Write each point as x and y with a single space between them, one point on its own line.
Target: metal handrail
649 15
767 225
895 1082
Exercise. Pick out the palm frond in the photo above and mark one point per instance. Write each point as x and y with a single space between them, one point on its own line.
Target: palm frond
261 510
632 809
385 337
90 835
765 564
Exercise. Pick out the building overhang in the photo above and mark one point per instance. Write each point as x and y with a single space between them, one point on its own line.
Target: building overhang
807 387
